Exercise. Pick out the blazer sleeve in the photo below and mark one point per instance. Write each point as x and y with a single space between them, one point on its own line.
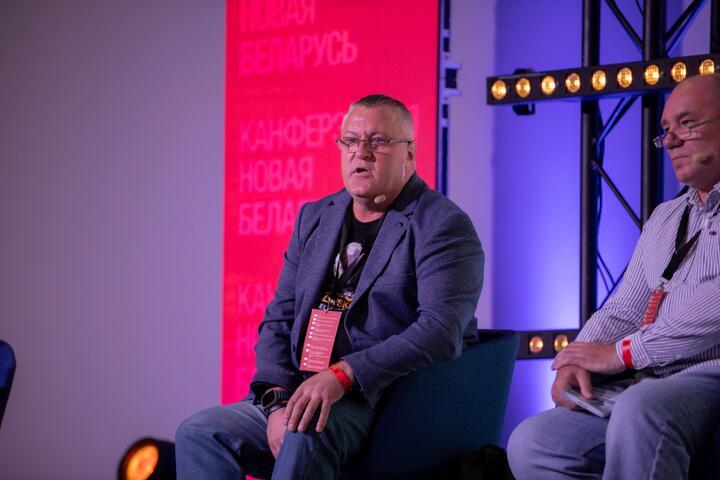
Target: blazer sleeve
273 355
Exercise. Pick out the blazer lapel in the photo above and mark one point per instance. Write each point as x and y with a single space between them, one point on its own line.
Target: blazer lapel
323 251
392 231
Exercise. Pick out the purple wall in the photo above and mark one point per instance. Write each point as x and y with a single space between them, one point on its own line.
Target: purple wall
111 159
471 130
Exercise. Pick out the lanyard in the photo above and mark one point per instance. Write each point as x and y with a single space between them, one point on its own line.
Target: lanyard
657 295
681 250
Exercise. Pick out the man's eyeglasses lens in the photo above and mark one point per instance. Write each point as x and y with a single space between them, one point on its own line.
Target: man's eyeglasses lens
682 134
352 144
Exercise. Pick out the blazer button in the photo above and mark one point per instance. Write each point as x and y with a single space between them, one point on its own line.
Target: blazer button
400 224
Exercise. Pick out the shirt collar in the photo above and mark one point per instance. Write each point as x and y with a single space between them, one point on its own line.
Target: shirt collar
713 197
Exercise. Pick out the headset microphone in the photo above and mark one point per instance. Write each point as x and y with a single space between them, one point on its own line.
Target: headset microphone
701 157
380 199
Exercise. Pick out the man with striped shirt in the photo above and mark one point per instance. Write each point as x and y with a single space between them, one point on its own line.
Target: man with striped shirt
661 329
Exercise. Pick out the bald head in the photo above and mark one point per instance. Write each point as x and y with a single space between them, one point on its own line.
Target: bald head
707 86
691 120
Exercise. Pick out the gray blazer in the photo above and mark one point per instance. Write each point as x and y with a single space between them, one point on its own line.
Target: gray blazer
415 301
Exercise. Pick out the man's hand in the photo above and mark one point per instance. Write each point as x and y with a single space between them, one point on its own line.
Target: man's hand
593 357
567 378
321 390
276 430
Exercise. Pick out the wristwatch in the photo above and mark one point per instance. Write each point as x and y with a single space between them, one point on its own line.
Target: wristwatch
274 399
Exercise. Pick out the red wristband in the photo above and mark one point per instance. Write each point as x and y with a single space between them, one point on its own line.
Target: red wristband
626 353
342 377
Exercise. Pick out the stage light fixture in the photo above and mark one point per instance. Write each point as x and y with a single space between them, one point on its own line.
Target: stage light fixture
599 80
536 344
148 458
678 72
499 89
619 79
572 82
707 67
548 85
624 77
142 463
544 343
560 342
522 87
652 74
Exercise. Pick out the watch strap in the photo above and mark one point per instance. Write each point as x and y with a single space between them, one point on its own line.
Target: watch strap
269 411
274 399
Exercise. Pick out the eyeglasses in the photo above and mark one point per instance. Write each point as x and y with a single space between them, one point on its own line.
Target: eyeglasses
352 144
683 133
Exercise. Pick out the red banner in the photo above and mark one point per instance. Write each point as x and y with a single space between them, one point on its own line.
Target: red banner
293 67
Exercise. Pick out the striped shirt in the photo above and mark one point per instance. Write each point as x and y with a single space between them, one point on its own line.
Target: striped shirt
686 333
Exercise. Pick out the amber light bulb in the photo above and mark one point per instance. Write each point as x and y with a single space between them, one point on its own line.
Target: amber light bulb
624 77
707 67
548 85
498 90
522 87
536 344
652 74
142 463
572 82
678 72
598 80
560 342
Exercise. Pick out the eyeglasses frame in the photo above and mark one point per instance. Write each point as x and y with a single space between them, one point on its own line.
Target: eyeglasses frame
660 139
373 148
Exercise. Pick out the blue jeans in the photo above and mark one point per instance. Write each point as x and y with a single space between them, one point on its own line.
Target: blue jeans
229 442
655 427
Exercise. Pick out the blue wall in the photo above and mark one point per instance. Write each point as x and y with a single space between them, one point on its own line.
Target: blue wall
536 169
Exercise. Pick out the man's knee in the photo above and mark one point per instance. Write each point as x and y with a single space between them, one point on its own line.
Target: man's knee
347 427
230 425
520 435
310 440
554 441
651 410
523 440
637 408
199 425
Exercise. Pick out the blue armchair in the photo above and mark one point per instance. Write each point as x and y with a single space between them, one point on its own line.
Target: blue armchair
7 372
439 413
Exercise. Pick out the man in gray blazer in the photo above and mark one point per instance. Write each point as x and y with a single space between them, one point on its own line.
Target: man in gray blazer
379 280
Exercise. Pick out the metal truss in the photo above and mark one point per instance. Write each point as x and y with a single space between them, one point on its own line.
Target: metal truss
656 42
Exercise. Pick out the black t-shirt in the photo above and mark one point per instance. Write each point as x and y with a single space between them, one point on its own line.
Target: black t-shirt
356 241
